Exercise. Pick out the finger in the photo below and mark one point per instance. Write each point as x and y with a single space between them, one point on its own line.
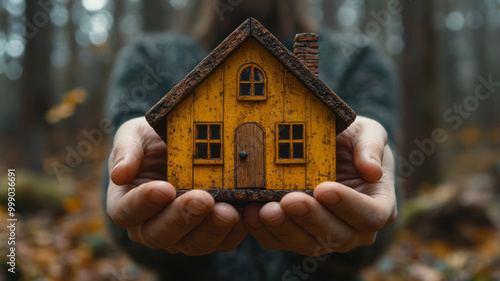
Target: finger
127 155
205 238
258 230
180 217
293 236
369 145
128 206
364 212
333 234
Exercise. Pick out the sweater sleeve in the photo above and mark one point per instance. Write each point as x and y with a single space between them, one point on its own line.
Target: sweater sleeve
365 81
144 72
362 77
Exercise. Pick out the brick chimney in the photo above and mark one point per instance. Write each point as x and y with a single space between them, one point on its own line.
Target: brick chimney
306 50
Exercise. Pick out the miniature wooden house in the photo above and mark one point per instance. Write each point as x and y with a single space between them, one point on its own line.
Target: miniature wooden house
252 121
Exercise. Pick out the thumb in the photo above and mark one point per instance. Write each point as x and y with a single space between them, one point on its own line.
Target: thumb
369 147
127 154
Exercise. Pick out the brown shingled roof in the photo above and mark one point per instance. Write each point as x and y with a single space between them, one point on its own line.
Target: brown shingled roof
250 28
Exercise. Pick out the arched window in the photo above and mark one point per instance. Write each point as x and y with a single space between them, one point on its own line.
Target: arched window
252 83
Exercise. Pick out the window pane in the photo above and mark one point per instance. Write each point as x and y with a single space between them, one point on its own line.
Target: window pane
259 89
284 132
244 89
284 151
201 150
215 151
298 132
202 132
298 150
245 74
258 76
215 132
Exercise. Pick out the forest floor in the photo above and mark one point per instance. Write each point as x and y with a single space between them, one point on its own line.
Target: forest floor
447 231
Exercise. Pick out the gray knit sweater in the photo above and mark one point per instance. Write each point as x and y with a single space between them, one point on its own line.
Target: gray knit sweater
146 70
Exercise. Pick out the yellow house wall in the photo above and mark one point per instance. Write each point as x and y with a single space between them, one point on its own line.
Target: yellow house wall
214 100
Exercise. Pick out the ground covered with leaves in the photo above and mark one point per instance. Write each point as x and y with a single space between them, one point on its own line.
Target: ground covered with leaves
447 231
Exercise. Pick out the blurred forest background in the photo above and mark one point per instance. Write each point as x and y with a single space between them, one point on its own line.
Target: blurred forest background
55 61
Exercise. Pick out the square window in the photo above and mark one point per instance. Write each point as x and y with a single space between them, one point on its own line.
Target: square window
208 143
202 150
298 150
290 146
202 133
215 151
284 132
298 132
215 132
284 150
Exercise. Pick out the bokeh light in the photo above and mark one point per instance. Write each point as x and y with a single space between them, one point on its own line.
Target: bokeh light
94 5
15 47
395 44
59 15
130 24
455 21
178 4
61 55
15 7
13 70
347 15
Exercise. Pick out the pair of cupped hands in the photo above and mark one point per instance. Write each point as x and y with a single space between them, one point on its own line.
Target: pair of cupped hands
341 216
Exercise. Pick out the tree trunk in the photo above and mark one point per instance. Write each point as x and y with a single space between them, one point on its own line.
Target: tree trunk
418 64
36 87
330 8
154 15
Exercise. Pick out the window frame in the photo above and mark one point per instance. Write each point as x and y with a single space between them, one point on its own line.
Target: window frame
208 141
252 83
291 141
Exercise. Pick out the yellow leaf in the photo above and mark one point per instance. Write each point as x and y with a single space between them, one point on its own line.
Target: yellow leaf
75 96
95 225
72 205
440 249
470 136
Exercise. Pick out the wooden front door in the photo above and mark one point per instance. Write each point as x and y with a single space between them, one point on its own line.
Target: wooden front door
250 155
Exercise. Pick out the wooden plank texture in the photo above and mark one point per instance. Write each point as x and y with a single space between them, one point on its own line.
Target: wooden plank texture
179 142
250 167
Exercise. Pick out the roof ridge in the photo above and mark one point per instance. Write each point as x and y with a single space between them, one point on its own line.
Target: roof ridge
250 28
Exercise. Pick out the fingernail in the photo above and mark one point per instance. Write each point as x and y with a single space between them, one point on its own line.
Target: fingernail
330 198
117 164
221 222
376 161
277 221
158 197
298 209
196 207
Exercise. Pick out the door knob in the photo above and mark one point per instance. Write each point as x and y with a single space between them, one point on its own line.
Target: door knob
243 155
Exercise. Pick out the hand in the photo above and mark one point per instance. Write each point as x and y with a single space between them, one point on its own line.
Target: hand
343 214
140 200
